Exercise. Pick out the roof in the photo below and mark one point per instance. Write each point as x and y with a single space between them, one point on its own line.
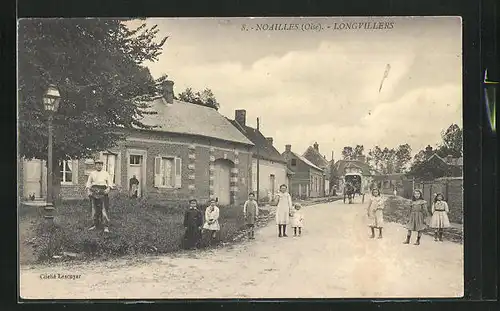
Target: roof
448 160
306 161
341 165
185 118
315 157
266 149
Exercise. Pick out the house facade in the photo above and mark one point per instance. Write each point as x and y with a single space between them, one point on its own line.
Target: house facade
314 156
359 166
307 180
272 167
193 152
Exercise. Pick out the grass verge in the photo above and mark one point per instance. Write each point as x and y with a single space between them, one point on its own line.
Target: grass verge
137 227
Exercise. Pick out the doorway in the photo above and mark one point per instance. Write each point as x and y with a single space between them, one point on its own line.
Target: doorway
136 169
222 179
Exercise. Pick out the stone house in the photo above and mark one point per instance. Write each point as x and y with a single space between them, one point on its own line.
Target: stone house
192 152
307 180
315 157
273 170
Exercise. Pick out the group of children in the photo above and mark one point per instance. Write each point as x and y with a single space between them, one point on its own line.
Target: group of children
416 216
194 222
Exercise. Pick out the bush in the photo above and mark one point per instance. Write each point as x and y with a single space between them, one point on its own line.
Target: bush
137 227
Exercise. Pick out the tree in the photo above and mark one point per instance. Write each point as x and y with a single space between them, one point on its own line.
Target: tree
204 98
97 65
347 153
358 151
376 158
402 158
452 143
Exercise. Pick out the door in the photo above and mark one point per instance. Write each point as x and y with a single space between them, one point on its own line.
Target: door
272 183
222 181
33 171
135 168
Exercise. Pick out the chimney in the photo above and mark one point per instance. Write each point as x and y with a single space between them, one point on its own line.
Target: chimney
428 151
362 158
316 146
168 91
269 140
240 115
288 148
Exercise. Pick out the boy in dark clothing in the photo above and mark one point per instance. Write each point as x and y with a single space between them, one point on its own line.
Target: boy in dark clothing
193 220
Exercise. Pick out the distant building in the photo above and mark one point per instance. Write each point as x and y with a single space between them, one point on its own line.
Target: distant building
360 165
307 180
314 156
273 170
435 166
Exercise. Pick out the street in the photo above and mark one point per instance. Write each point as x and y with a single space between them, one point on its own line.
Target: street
334 258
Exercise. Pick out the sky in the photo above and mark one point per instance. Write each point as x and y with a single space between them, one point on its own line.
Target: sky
322 86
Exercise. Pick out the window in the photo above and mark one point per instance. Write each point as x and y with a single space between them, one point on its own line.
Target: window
109 160
294 162
135 159
168 172
66 170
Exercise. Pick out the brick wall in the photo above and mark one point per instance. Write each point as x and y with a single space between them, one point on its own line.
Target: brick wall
161 144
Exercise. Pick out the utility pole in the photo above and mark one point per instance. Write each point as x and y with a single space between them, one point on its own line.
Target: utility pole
258 165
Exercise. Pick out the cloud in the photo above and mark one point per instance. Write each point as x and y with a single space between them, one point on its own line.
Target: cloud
328 91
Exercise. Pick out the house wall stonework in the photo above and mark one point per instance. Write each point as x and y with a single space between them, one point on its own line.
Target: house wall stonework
196 154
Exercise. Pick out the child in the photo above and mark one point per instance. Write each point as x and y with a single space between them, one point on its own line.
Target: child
251 211
193 220
439 216
212 219
416 216
297 220
283 210
375 213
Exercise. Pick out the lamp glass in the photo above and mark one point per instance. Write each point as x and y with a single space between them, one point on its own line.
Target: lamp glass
51 98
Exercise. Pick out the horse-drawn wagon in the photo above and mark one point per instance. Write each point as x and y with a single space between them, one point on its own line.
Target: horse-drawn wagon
353 184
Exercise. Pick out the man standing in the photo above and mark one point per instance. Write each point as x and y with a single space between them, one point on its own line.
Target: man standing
134 187
98 187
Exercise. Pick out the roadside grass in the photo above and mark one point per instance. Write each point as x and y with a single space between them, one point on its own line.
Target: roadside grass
137 227
396 210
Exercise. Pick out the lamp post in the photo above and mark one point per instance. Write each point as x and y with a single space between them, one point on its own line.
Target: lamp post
51 99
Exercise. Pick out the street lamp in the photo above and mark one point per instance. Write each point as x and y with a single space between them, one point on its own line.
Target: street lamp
51 99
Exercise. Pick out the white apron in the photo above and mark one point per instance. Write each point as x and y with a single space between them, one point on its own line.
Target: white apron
283 209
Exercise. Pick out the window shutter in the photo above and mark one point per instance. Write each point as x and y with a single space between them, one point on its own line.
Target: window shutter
111 167
178 172
158 172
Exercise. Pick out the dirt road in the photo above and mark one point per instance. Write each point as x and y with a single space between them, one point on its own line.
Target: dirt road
333 259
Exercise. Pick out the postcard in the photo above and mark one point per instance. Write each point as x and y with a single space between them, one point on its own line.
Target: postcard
251 158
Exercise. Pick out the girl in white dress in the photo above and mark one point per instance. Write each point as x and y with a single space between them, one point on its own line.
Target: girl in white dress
212 219
439 219
375 213
297 220
283 210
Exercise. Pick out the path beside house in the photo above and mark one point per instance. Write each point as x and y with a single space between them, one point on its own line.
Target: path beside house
333 259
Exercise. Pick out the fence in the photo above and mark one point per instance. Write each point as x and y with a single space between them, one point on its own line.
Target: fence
450 187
